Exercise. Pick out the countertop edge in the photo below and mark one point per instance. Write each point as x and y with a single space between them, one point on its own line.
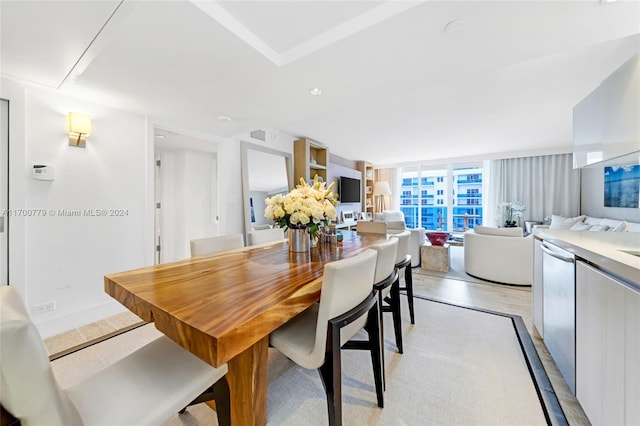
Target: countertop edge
603 250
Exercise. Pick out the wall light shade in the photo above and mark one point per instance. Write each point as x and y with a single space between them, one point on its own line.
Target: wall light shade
78 128
381 188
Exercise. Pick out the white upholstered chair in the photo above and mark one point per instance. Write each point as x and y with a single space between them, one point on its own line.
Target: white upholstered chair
265 236
386 285
396 224
212 245
403 261
147 387
501 255
347 304
372 227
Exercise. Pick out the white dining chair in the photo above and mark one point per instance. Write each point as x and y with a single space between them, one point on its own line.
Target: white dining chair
213 245
403 261
386 286
266 236
146 387
314 338
371 227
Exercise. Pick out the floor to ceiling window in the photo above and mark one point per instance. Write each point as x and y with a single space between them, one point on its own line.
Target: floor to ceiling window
447 197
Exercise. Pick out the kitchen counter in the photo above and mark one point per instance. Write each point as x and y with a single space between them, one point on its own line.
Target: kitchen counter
602 249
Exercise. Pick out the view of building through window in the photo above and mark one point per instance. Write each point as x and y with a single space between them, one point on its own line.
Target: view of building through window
446 198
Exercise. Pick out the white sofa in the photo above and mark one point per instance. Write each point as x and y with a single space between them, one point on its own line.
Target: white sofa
589 223
396 224
501 255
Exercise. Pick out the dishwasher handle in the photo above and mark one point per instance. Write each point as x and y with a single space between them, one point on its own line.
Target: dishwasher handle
552 253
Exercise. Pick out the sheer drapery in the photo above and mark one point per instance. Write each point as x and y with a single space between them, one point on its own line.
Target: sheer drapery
546 185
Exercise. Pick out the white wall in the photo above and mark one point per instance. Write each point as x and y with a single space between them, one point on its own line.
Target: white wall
592 193
66 256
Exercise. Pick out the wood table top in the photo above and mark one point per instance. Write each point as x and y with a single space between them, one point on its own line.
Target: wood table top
218 306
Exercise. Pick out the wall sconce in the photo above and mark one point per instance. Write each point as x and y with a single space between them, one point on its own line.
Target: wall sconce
78 128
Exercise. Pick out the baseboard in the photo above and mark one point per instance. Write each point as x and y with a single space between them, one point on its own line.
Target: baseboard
67 322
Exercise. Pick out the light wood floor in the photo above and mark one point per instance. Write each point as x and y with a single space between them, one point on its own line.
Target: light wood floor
506 299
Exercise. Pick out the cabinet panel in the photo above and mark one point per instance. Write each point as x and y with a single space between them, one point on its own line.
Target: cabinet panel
600 345
537 289
632 364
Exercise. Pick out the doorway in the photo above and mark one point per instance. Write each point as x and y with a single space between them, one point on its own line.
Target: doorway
186 193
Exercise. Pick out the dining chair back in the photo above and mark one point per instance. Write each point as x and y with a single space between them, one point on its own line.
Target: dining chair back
213 245
313 339
371 227
265 236
386 286
403 262
148 386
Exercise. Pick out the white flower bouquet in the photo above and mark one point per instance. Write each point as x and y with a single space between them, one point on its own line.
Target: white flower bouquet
306 206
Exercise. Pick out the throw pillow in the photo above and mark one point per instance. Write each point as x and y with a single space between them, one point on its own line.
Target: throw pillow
560 222
596 228
615 225
580 226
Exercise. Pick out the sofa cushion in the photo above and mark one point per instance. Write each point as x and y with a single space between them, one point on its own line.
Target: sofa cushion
633 227
561 222
614 225
581 226
393 216
596 228
503 232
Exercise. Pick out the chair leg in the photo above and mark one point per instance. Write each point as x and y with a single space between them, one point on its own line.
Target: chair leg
395 311
408 279
381 340
375 345
331 375
222 397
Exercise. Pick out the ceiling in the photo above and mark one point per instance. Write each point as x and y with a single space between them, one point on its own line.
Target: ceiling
401 81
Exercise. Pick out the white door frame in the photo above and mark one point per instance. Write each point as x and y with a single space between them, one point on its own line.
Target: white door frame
4 192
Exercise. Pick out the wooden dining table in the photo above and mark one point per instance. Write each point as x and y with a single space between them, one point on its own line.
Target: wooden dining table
223 307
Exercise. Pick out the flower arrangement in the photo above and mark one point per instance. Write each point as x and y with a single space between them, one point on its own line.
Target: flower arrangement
512 210
305 206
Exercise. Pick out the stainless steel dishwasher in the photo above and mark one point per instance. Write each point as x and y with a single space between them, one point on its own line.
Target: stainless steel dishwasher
559 315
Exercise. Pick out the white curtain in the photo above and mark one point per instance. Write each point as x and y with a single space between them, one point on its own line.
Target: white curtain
546 185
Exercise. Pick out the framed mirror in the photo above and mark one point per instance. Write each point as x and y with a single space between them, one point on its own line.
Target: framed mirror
265 172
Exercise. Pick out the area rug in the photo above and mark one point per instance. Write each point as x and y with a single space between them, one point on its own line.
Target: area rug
460 366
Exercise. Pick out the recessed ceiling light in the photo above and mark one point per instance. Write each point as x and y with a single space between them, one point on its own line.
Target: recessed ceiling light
159 136
315 91
224 118
453 26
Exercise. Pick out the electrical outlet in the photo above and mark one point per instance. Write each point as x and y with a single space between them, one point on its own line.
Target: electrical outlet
43 307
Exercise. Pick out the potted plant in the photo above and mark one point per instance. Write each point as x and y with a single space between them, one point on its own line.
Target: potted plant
512 210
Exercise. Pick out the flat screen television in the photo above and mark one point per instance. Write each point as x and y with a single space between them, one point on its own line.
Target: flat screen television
349 190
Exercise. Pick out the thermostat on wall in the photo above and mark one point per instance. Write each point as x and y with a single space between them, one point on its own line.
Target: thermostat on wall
43 172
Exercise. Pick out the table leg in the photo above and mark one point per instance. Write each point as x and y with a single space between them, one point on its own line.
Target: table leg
247 379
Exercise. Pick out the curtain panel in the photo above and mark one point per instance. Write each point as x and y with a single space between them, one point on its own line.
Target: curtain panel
545 184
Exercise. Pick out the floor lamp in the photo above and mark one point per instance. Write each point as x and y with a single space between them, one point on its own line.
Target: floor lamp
381 189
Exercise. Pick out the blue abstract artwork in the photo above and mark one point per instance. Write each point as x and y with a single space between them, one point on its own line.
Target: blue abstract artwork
622 186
